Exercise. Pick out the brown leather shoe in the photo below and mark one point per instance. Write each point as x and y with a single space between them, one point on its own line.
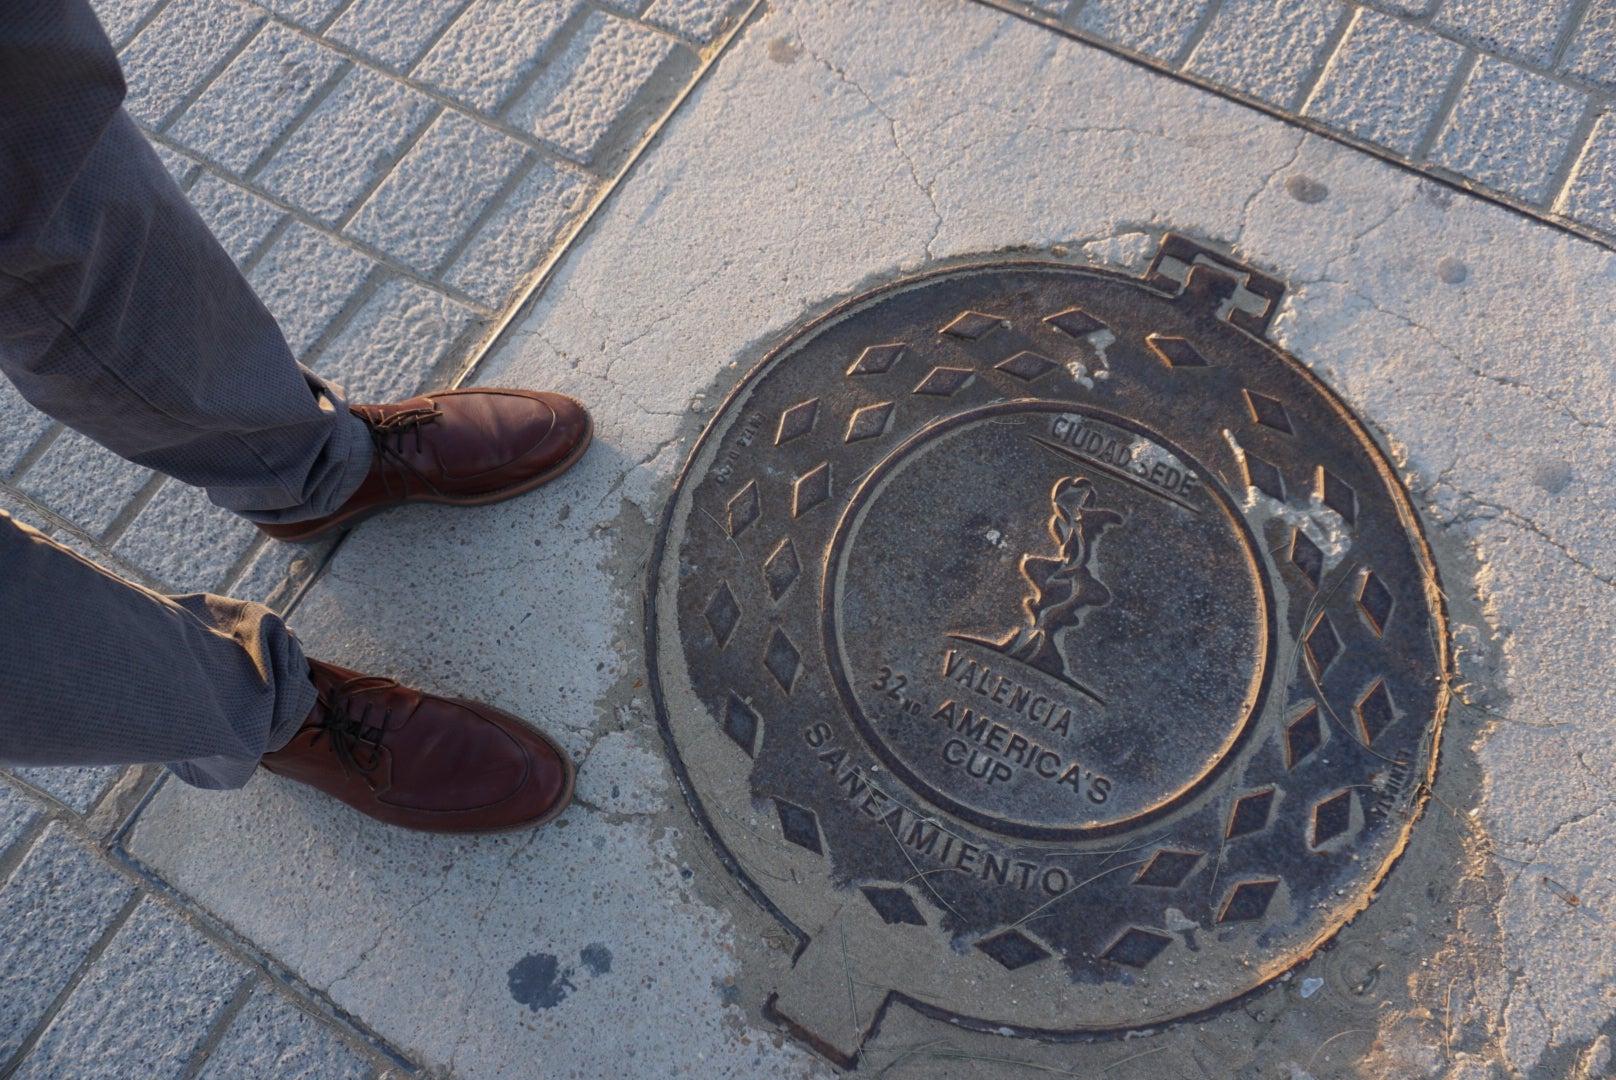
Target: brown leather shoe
465 447
423 762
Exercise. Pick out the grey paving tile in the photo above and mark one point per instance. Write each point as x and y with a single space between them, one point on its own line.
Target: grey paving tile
178 49
698 20
578 98
350 139
1385 81
409 218
17 813
275 572
1403 7
1265 47
304 279
624 7
1157 28
23 426
1590 195
239 219
1509 129
393 31
312 14
143 1009
12 503
514 239
180 167
1521 29
83 482
79 787
183 540
120 17
390 346
1592 52
271 1037
256 97
53 909
481 59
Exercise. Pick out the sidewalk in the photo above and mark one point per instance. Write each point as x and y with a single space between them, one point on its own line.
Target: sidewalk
397 178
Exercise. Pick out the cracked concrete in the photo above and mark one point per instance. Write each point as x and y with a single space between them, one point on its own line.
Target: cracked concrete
829 151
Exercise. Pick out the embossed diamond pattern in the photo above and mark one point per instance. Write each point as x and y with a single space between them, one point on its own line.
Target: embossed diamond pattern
893 905
799 825
1264 477
1027 365
1137 947
1250 813
1376 600
1248 900
782 659
1175 351
869 422
1338 496
944 381
1013 949
1303 735
1269 413
1375 712
781 568
1306 557
744 508
797 421
1076 322
1332 817
811 489
1323 644
877 360
1168 869
973 325
741 724
722 613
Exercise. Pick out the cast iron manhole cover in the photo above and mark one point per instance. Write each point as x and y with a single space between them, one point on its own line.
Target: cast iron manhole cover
1045 649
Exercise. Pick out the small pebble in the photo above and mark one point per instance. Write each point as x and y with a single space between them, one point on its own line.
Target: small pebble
1452 271
1305 189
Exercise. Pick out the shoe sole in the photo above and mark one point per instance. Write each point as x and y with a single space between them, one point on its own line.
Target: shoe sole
353 518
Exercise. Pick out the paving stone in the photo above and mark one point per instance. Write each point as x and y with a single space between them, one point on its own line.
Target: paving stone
697 20
180 167
395 32
409 218
120 17
16 815
1592 52
178 49
79 787
239 219
1385 81
304 279
350 139
22 429
1590 196
21 510
83 482
1522 29
53 909
271 1037
1403 7
144 1008
624 7
392 344
1157 28
578 98
183 540
312 14
1265 47
256 97
275 571
1509 129
516 237
481 58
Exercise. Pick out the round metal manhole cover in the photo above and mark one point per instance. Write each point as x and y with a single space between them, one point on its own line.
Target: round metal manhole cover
1053 638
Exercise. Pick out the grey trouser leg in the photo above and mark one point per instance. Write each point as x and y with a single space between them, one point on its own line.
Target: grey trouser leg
122 317
98 671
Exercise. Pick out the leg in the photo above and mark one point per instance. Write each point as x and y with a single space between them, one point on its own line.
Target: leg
107 673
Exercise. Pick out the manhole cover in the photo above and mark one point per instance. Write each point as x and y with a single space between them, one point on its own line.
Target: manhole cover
1046 650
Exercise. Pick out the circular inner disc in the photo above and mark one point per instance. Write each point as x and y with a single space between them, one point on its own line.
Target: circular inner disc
1048 645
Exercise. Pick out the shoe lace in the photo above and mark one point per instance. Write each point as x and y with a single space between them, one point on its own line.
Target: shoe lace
350 731
388 432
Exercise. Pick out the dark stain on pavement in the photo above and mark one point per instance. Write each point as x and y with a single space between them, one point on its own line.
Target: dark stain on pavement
596 958
539 981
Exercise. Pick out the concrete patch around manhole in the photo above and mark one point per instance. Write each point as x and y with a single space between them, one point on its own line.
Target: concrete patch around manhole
1031 665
